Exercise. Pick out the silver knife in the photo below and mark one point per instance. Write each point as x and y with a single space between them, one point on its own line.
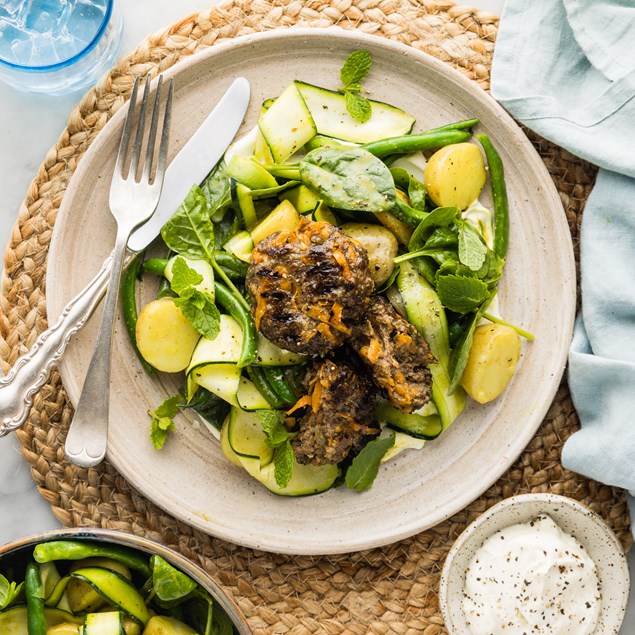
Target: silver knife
191 165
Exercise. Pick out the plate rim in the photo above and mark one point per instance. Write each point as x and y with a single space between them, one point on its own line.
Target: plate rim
411 527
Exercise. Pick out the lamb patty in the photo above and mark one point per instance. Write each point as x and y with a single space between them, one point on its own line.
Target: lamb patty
310 286
396 356
341 414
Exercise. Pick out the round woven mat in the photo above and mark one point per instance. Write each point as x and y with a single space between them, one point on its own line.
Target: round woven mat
387 590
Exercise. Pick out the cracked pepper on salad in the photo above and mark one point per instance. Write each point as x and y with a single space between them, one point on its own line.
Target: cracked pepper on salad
330 289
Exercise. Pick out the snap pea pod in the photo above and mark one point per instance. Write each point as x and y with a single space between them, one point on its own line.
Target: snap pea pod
78 550
430 140
257 375
279 383
499 196
129 308
236 309
34 591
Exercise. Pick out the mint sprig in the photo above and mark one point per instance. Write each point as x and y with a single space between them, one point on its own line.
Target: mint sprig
162 420
279 438
197 307
355 69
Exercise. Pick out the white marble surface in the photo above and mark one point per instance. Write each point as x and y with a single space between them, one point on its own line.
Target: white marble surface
29 126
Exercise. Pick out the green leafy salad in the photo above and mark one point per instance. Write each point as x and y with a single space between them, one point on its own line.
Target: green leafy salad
77 587
330 289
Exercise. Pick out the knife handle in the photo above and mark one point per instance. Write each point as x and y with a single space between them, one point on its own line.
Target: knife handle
32 369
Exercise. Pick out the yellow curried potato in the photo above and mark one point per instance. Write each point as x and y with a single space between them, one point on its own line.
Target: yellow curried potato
161 625
492 361
381 245
455 175
164 337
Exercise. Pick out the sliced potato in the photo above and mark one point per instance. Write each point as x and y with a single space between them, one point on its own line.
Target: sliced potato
65 628
402 232
131 627
161 625
284 216
381 245
492 361
455 175
164 337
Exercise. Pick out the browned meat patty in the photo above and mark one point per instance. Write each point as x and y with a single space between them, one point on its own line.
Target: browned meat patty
309 286
395 354
341 414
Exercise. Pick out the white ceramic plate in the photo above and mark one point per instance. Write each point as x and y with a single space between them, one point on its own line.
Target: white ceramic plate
190 478
574 519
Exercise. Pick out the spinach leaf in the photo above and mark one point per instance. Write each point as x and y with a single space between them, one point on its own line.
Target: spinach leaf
365 466
461 351
169 583
461 294
162 420
439 217
210 406
412 187
190 232
216 188
351 179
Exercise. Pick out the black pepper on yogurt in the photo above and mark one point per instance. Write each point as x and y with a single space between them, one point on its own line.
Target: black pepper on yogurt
532 578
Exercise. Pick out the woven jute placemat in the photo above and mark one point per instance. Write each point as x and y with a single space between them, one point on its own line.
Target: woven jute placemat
386 590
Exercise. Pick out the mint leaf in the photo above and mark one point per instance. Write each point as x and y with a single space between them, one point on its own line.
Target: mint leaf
356 67
162 422
364 467
358 107
472 248
8 591
283 464
461 294
272 422
200 311
190 232
183 276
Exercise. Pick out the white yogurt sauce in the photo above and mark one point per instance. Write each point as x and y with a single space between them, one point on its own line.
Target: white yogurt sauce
529 579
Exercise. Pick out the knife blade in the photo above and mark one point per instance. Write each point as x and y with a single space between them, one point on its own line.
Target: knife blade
190 166
195 160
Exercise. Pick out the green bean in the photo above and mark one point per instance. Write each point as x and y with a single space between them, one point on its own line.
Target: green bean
129 308
465 124
430 140
499 196
257 375
34 591
78 550
279 383
236 309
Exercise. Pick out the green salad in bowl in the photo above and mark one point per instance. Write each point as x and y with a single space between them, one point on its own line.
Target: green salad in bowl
106 582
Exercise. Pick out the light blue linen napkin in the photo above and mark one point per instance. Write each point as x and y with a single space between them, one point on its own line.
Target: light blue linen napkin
566 69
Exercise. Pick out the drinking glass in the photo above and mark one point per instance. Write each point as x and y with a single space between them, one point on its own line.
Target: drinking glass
57 46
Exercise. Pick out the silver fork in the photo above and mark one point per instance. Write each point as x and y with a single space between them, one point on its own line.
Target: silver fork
133 200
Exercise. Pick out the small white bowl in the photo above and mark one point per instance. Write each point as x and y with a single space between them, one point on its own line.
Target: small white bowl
573 518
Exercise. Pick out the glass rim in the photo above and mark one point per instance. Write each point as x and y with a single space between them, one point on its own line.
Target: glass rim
71 60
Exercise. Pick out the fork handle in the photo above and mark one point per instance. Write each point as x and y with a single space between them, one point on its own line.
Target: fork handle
30 372
87 437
